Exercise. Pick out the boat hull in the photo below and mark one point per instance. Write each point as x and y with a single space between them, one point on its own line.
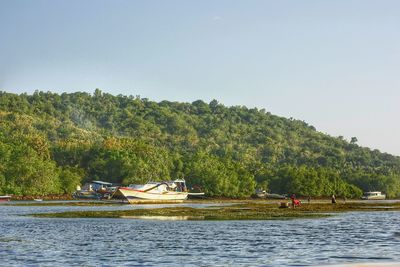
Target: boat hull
374 195
5 198
153 201
84 194
383 197
139 196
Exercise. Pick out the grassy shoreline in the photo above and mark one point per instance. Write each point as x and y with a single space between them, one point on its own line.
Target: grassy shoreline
236 211
50 197
61 203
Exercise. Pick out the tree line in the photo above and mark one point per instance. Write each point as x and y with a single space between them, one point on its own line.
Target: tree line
49 143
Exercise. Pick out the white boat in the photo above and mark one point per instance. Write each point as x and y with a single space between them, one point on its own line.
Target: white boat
261 193
275 196
374 195
171 191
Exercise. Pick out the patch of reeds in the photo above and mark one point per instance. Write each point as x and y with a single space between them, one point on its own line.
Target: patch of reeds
240 211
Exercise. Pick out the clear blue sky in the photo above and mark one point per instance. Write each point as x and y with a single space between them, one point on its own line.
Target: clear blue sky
334 64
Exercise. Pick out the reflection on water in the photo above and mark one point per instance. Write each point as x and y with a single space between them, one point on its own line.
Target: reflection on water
164 218
346 238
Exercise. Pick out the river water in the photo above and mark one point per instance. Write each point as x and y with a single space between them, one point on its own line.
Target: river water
346 238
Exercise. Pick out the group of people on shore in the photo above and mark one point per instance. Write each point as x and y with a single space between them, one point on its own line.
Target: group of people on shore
297 202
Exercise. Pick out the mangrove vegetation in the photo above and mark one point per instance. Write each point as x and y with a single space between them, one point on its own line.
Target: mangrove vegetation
49 143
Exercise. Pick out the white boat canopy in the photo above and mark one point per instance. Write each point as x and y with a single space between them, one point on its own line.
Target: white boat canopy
101 182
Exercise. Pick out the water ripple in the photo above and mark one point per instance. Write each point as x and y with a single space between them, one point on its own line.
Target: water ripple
346 238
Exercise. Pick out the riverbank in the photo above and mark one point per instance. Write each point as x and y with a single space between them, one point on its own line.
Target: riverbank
62 203
236 211
83 202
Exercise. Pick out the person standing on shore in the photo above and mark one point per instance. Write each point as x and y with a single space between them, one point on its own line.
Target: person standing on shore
293 197
333 199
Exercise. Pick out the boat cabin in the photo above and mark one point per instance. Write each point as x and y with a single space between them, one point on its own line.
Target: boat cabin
100 185
97 186
178 185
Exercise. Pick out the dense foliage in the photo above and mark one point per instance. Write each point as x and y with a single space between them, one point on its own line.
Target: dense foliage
49 143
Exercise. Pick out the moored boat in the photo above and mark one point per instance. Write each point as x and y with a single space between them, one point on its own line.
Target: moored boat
5 198
171 191
374 195
261 193
95 190
89 194
275 196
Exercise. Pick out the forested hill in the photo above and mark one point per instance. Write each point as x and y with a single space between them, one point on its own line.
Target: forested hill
49 143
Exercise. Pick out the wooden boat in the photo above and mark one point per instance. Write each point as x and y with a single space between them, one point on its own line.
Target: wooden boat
95 190
87 194
5 198
157 192
373 195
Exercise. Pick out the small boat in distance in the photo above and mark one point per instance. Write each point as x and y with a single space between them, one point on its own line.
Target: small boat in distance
5 198
162 192
373 195
263 194
275 196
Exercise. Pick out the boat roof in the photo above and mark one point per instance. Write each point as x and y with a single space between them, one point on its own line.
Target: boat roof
172 181
101 182
373 192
